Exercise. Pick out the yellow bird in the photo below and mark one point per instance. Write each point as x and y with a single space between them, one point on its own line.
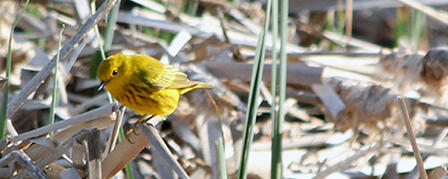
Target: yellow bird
144 84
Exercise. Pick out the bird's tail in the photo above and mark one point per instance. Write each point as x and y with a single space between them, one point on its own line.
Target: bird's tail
195 85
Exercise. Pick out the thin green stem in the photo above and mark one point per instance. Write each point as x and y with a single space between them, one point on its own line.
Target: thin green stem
55 99
401 25
257 73
4 109
282 89
193 8
341 17
418 28
221 159
276 150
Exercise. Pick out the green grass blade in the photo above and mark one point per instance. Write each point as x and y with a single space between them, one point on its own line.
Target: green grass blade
401 24
4 109
257 73
193 8
418 28
221 160
275 150
54 100
329 26
341 17
278 132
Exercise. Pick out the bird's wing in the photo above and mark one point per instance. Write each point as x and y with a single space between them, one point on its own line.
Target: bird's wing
169 77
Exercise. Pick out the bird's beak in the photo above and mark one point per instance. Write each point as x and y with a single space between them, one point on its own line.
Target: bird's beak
102 84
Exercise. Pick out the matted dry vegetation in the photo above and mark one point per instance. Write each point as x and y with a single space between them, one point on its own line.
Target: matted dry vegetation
343 118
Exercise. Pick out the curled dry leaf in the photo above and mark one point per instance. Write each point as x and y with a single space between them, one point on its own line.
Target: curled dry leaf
372 107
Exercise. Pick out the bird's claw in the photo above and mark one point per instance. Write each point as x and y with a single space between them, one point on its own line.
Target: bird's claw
133 130
131 133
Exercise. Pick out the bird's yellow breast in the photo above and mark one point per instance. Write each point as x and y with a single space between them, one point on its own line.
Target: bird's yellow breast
145 100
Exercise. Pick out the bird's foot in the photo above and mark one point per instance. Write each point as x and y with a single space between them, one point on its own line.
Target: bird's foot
131 133
133 130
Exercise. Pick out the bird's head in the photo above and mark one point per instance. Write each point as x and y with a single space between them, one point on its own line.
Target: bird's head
110 69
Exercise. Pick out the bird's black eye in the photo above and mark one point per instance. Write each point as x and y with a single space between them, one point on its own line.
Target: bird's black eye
114 72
